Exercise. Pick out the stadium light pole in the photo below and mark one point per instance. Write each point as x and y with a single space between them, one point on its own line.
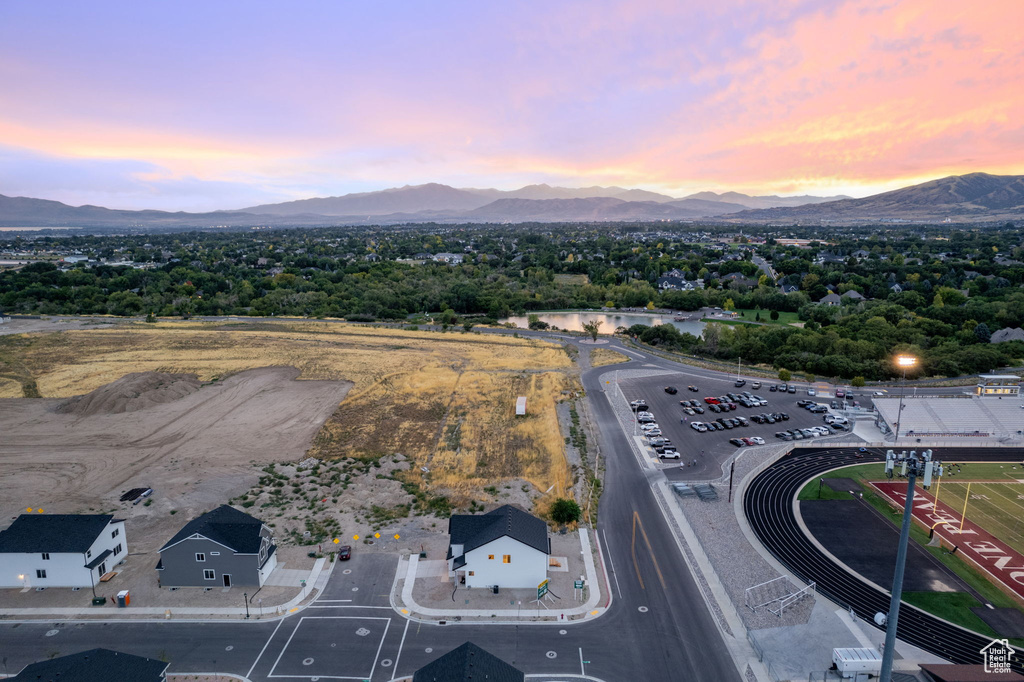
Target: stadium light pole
911 467
904 362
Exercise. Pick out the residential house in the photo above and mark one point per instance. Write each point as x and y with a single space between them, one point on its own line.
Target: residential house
672 283
60 550
831 299
853 295
95 665
222 548
789 288
505 547
896 289
450 258
861 254
468 663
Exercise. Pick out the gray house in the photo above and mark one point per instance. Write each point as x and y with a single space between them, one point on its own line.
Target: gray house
95 665
221 548
465 663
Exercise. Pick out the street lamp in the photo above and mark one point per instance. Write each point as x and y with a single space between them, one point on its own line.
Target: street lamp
245 598
904 362
911 466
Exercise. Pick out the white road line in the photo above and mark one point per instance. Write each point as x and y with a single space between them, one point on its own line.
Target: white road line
615 574
273 667
349 606
331 601
279 624
401 645
379 647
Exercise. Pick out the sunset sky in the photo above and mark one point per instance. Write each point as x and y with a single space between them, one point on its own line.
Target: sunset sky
205 105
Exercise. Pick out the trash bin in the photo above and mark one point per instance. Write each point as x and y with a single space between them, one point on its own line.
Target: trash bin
123 599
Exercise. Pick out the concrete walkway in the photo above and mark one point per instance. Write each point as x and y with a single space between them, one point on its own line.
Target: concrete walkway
314 585
406 604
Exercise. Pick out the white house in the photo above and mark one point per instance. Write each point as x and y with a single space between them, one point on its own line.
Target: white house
60 550
505 547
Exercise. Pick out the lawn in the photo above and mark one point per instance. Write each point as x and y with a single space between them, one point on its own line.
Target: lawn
953 606
599 357
750 315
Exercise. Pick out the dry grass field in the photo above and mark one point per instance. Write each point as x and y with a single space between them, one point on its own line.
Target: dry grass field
444 401
599 357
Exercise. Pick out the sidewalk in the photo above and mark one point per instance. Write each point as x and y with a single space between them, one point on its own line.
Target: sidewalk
402 598
314 585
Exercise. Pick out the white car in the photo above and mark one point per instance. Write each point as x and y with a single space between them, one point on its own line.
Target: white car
878 393
670 454
757 440
698 426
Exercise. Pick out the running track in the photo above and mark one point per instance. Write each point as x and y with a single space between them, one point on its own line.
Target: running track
768 505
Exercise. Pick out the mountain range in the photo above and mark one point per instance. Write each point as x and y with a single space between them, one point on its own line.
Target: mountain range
975 197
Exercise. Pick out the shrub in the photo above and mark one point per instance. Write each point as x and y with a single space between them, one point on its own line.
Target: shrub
565 511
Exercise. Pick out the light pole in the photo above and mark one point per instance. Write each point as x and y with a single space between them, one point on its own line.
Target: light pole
911 467
904 362
245 598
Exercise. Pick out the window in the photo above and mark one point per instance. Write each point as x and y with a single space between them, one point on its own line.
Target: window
117 550
88 554
208 574
200 556
115 533
491 557
46 556
214 553
472 572
506 559
40 573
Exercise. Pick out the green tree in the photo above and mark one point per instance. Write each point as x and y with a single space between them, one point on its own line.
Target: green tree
785 374
774 315
650 305
983 333
592 328
467 326
150 317
729 305
565 511
857 382
809 377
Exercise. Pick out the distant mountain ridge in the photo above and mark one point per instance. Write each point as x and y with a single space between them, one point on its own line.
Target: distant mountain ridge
971 197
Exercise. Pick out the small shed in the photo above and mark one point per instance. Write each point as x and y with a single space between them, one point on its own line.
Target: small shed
521 406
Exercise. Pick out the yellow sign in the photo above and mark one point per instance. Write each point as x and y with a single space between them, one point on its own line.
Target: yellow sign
397 536
29 510
355 537
40 510
335 540
376 535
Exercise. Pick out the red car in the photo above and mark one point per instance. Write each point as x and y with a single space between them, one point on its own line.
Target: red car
344 553
711 401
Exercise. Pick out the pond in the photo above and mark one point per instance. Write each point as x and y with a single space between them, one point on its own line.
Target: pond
609 321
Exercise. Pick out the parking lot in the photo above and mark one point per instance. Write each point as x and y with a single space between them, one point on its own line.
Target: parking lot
712 449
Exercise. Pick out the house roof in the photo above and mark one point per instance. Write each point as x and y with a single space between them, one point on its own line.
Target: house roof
224 525
966 673
99 559
472 531
853 293
465 663
94 665
831 298
56 533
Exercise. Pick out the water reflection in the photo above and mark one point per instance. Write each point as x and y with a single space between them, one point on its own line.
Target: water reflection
609 321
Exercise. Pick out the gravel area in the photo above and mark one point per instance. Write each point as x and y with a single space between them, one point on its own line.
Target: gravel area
737 564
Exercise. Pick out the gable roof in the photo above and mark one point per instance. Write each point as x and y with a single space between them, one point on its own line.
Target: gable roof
56 533
94 665
468 662
472 531
831 298
853 293
226 526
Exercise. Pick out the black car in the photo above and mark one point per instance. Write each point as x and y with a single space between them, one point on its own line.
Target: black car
773 388
737 442
804 403
671 390
698 409
783 416
692 388
715 408
817 409
783 435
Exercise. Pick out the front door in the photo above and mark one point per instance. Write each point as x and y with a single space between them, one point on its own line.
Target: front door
227 580
103 569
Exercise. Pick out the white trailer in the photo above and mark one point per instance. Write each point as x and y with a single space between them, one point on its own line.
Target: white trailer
857 664
521 406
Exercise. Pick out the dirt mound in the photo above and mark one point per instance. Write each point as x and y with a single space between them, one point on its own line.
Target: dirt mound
131 393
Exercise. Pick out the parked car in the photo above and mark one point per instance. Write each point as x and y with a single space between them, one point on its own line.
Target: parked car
344 553
804 403
671 390
698 427
784 435
654 432
783 416
740 382
698 409
817 409
757 440
811 391
878 393
792 389
669 453
711 401
646 418
840 393
756 385
715 407
743 421
738 442
784 387
638 405
692 388
773 388
834 404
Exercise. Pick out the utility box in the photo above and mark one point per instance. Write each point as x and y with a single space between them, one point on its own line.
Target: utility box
856 664
123 599
521 406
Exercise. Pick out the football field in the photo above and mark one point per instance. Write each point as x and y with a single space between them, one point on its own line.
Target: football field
996 501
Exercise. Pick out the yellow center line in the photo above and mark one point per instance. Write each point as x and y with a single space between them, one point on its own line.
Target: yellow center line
636 566
636 518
